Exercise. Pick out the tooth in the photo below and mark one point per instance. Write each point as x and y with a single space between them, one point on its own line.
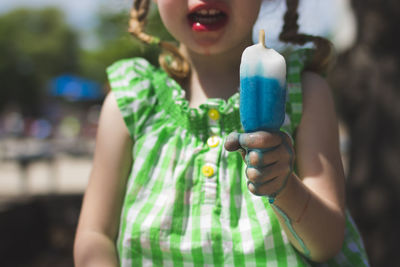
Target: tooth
212 11
203 12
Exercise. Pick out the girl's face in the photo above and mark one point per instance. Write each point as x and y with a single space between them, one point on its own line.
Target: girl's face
210 26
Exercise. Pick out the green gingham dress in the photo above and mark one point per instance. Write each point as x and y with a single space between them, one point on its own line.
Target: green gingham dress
186 201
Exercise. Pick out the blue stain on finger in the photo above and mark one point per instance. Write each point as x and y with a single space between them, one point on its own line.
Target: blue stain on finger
253 186
234 136
283 134
250 139
247 139
260 155
288 146
247 159
242 142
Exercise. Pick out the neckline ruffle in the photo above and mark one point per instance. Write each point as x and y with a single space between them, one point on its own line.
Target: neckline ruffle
172 99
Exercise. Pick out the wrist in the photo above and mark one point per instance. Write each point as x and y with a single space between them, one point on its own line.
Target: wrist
272 197
288 190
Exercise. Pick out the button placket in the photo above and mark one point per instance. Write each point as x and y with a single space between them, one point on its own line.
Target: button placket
211 157
210 169
209 172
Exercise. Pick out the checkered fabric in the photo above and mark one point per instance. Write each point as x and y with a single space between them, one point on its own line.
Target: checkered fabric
186 201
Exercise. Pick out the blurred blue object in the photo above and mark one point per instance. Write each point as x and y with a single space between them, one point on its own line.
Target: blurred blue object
75 88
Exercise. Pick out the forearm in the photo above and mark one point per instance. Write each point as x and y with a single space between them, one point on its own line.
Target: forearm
318 223
93 249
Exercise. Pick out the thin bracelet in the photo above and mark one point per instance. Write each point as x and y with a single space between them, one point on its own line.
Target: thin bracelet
304 209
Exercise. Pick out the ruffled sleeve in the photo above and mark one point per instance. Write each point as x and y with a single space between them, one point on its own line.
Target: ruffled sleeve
131 82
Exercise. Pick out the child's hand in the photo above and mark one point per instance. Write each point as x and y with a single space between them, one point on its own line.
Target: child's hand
269 158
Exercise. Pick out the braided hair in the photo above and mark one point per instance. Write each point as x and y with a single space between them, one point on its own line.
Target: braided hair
170 59
324 54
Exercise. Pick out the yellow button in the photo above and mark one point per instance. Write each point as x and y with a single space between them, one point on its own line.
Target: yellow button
213 141
213 114
207 170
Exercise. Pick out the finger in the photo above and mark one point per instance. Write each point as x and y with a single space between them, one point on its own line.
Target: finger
232 142
261 157
262 176
260 140
266 188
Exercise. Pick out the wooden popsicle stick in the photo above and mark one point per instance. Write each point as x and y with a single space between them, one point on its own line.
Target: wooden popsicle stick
261 38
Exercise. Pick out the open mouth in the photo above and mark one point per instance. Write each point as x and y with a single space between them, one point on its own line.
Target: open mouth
207 19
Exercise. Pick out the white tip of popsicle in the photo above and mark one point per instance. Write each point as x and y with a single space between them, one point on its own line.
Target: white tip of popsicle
258 60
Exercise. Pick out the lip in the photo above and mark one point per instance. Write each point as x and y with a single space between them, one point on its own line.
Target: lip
201 25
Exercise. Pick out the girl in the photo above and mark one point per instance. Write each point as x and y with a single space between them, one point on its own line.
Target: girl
165 191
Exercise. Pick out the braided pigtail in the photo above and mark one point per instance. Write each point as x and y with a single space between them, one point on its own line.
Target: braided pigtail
170 59
324 54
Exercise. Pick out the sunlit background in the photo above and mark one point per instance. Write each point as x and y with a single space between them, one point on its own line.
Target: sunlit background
52 70
53 56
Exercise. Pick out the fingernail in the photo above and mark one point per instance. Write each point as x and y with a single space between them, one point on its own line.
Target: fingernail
252 188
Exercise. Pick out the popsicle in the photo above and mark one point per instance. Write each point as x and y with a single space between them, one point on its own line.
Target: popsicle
262 88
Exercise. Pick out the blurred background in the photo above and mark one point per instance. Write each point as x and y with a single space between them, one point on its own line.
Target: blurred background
53 56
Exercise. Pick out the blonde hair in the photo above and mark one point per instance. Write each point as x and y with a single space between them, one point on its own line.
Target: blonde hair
175 64
170 59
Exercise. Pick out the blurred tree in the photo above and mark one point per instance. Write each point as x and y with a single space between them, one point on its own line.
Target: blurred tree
116 43
35 45
367 80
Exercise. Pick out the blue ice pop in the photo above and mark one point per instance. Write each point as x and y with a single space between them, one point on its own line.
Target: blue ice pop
262 88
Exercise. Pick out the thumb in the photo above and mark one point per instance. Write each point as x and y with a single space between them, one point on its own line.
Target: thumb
232 142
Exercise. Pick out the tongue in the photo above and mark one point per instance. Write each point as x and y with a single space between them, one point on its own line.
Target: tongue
207 23
198 27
